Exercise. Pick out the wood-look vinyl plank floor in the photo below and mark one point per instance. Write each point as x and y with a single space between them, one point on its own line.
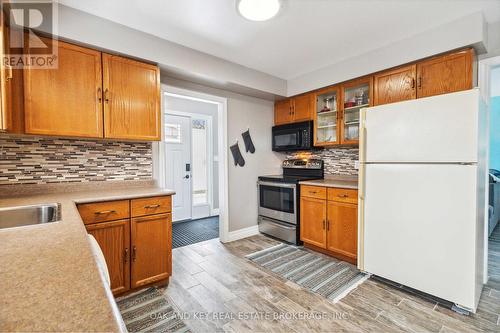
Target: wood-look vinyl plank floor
214 278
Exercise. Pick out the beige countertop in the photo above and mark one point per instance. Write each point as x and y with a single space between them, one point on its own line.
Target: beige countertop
350 182
49 280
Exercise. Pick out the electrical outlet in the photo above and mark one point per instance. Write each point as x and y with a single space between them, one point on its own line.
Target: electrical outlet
356 165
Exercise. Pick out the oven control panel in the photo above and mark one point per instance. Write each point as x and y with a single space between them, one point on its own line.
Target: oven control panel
303 164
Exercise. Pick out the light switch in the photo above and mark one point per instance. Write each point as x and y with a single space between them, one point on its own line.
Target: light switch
356 165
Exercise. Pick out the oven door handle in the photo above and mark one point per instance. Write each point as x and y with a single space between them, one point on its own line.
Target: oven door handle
277 184
277 223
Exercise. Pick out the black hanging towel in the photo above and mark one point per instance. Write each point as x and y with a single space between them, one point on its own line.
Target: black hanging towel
249 147
238 158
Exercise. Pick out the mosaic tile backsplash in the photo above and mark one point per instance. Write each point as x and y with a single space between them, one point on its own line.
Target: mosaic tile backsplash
37 160
338 161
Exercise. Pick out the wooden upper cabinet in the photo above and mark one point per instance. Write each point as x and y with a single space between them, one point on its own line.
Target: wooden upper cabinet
445 74
151 245
294 110
326 116
113 239
313 221
5 87
65 101
342 228
283 112
302 107
395 85
356 94
131 99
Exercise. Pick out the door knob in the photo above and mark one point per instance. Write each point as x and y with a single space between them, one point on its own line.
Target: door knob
186 176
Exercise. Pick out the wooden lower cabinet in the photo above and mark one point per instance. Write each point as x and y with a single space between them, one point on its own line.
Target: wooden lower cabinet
114 241
330 226
313 221
342 228
137 250
151 240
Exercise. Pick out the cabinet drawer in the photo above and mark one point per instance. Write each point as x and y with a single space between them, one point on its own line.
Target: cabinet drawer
317 192
149 206
104 211
343 195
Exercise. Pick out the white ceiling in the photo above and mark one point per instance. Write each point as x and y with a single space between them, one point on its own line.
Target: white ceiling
307 35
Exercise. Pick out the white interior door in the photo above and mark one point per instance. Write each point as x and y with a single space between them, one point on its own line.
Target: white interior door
178 164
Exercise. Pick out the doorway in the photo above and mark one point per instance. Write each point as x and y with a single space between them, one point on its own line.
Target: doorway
494 181
193 138
489 84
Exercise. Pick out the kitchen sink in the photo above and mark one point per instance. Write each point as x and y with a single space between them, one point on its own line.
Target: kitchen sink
28 215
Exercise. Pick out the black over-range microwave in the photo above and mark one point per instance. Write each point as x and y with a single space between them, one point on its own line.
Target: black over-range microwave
290 137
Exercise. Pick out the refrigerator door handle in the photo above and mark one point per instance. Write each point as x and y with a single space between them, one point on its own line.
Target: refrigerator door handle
361 191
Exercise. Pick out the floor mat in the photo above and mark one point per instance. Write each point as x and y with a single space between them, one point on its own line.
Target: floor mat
191 232
323 275
151 311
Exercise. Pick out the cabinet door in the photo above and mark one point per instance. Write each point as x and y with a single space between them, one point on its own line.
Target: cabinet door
283 112
151 249
302 108
114 240
313 221
342 228
131 99
326 115
67 100
395 85
445 74
5 76
356 94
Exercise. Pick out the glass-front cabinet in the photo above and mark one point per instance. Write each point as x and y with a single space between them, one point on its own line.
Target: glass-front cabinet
337 110
356 94
326 116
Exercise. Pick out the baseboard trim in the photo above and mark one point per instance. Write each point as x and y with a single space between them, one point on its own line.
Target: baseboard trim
242 233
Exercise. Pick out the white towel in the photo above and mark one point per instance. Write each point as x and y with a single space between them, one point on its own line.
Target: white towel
99 258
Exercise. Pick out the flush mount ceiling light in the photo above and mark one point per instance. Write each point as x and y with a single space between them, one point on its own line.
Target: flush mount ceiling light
258 10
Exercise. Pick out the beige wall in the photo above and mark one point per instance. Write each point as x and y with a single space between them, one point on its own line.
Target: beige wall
244 112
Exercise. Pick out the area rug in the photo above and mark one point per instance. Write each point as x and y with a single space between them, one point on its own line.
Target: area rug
192 232
323 275
150 311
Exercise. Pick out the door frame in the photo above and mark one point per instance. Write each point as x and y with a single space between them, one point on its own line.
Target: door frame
158 163
484 69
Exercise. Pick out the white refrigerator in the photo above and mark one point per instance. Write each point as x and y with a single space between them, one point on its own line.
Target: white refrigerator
422 192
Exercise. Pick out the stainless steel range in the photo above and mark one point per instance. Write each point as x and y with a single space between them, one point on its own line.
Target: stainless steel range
279 198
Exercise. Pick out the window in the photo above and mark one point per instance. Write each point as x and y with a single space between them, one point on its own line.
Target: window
173 133
200 160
